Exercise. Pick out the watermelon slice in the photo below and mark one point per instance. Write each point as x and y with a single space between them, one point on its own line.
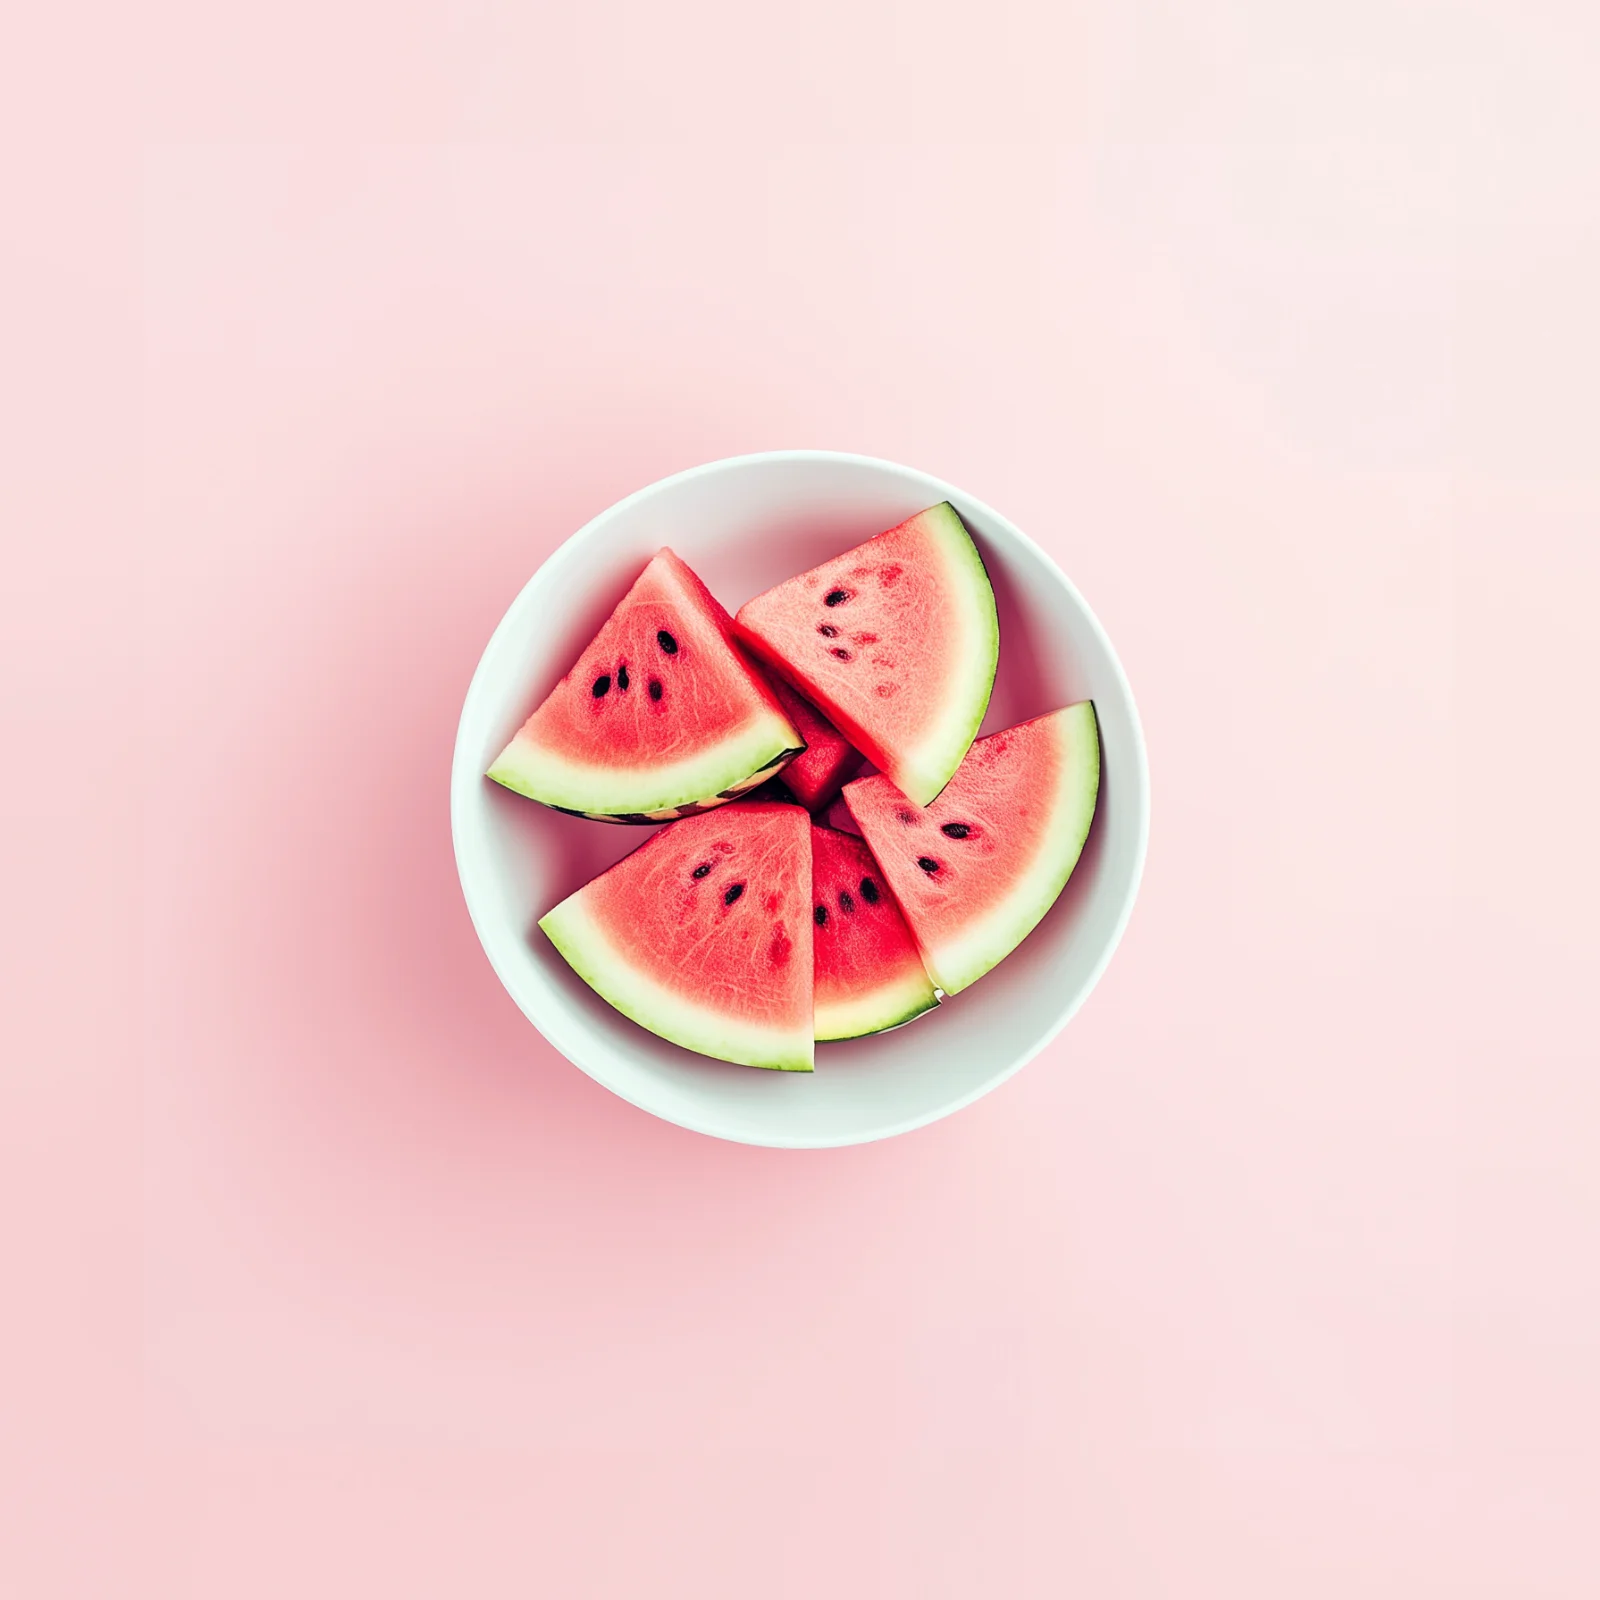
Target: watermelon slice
814 776
703 935
869 976
976 871
660 717
895 640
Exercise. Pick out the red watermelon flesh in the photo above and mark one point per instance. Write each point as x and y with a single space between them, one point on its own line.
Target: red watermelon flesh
661 716
895 641
838 816
977 870
703 934
869 976
814 776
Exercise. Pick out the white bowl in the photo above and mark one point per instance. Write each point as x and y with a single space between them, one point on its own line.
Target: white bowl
744 524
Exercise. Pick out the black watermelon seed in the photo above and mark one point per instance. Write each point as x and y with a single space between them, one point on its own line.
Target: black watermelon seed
905 816
835 597
820 916
844 655
734 891
622 676
701 870
601 685
667 642
655 688
955 830
827 630
846 904
927 863
869 891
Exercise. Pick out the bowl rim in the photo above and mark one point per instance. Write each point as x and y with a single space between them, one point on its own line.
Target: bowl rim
464 778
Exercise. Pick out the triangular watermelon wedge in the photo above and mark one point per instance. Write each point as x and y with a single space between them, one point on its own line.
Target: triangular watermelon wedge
703 935
976 871
896 641
660 717
869 976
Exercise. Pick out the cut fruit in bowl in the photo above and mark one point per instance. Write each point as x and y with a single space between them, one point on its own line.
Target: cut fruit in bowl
661 716
869 977
703 935
896 641
976 871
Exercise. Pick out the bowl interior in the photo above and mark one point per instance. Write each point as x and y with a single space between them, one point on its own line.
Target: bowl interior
744 525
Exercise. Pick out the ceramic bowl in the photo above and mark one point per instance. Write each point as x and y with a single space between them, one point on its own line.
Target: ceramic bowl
745 524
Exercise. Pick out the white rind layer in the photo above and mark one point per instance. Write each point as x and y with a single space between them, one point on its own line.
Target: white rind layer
544 775
611 973
989 939
881 1009
930 764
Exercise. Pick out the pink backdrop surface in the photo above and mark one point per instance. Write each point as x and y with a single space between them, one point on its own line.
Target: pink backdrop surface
1277 1275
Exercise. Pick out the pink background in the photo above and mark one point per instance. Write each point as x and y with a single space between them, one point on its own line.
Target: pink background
1276 1276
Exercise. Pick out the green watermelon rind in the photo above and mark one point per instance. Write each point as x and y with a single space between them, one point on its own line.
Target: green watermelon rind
607 970
925 771
956 964
891 1006
656 792
691 808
